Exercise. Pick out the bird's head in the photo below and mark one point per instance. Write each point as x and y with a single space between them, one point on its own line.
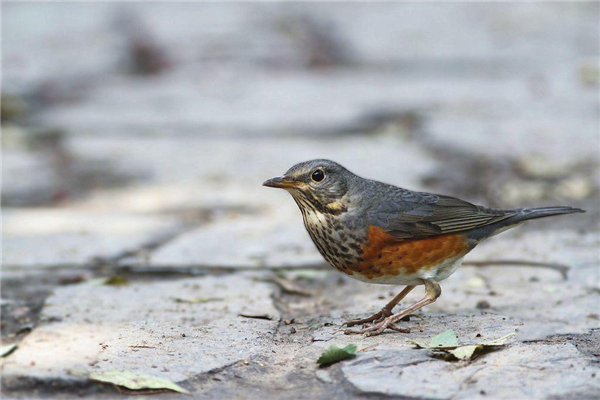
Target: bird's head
318 184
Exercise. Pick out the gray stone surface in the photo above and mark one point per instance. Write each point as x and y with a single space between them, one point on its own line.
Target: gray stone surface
55 237
540 298
175 330
559 371
269 240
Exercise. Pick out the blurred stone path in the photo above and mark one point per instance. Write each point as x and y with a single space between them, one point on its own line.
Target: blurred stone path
134 167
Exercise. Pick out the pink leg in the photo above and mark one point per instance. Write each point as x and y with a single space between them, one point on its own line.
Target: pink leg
432 292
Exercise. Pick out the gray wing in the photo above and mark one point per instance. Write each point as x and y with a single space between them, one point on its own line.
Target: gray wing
405 214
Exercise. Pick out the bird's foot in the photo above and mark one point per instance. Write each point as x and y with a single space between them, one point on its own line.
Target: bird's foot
378 328
377 317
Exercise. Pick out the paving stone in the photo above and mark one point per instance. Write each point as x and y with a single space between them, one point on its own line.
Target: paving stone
174 330
545 302
475 111
57 237
527 131
41 182
543 366
406 373
257 241
530 371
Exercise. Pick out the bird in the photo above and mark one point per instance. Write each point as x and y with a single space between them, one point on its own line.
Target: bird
383 234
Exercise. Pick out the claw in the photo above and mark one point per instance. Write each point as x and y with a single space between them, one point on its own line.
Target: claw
378 328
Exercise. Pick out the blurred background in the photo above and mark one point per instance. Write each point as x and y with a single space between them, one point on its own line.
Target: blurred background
141 133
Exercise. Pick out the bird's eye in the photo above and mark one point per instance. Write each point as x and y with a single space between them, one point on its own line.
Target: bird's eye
318 175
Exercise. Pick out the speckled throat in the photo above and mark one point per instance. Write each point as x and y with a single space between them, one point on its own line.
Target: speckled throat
336 243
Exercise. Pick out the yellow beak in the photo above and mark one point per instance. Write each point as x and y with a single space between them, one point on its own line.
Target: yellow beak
281 182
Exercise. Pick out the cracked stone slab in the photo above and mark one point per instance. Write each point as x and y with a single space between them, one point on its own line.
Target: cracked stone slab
54 237
175 330
545 302
243 242
405 373
524 371
391 366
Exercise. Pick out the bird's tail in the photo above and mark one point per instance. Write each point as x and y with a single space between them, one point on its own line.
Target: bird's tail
519 216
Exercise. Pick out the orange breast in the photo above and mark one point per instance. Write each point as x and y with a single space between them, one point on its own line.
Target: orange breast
385 255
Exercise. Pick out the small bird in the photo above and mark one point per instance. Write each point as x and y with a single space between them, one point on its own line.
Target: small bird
379 233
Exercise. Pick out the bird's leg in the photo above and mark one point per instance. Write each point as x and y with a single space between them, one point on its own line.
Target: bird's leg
385 311
432 292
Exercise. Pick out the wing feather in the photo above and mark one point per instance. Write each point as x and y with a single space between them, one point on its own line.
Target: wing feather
405 214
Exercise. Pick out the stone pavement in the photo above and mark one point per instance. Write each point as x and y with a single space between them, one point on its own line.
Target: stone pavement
146 172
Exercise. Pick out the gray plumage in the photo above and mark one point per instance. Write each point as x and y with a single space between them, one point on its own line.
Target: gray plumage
407 214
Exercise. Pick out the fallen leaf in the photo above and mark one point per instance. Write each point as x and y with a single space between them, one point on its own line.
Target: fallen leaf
465 352
6 349
135 381
445 340
334 354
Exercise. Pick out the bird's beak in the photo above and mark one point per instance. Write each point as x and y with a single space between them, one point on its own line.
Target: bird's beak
281 182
